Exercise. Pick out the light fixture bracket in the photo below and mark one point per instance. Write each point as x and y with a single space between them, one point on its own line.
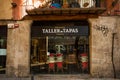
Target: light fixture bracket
14 5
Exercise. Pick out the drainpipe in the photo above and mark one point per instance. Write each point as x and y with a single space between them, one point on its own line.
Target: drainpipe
112 55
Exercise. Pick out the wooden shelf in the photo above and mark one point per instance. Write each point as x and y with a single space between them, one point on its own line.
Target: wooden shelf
65 11
49 14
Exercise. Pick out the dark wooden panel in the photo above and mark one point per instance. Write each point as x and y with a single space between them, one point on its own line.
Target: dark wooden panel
3 31
63 11
37 26
63 14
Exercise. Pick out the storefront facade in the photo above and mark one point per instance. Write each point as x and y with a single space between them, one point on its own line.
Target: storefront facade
101 32
99 37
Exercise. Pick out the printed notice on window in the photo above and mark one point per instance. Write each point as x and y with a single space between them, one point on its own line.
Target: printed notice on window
2 51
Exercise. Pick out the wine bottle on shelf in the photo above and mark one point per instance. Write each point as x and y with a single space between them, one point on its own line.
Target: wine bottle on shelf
65 4
56 1
61 2
74 4
98 3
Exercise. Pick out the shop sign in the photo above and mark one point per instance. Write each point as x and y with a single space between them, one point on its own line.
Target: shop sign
76 30
68 30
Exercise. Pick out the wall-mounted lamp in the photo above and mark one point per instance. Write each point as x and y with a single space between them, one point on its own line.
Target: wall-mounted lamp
14 5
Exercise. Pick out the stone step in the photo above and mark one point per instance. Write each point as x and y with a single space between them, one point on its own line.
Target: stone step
68 77
56 77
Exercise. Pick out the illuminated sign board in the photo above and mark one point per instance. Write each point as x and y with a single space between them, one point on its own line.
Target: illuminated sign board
56 30
68 30
75 30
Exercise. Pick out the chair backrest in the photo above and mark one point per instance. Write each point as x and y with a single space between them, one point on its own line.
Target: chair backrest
51 58
84 57
59 57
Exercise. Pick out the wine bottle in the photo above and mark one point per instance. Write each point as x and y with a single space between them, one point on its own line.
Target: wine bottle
61 2
65 4
98 3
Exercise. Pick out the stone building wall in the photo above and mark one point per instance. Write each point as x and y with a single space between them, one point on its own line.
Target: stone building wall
101 44
18 50
102 30
117 48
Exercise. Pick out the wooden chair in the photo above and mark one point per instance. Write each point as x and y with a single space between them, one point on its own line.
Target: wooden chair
59 62
84 61
72 60
51 62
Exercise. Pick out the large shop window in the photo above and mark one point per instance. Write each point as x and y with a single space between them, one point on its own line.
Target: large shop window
59 48
3 45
